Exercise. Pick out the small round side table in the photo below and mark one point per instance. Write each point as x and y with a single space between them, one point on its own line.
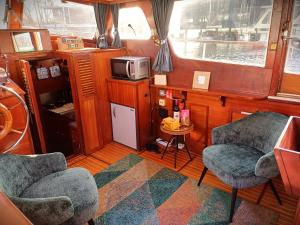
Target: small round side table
175 134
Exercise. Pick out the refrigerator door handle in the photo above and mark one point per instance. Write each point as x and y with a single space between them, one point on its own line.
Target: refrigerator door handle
114 112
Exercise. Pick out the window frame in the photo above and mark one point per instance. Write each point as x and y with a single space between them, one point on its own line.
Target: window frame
272 38
285 84
92 35
130 39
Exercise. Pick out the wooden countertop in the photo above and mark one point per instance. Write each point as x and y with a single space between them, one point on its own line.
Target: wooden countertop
129 82
10 214
213 93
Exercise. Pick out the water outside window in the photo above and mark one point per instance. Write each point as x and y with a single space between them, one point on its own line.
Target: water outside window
60 18
229 31
292 64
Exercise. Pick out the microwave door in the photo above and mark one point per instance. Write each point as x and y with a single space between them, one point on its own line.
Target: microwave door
120 68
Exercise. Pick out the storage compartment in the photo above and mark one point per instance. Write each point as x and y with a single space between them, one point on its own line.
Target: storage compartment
51 105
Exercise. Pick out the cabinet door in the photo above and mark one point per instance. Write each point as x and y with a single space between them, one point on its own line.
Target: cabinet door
122 93
199 117
32 102
88 105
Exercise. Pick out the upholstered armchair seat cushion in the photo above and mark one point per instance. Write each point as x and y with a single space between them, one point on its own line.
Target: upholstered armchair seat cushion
77 183
234 164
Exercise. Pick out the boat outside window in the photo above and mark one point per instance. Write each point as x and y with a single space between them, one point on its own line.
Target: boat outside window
133 24
228 31
292 64
3 24
61 18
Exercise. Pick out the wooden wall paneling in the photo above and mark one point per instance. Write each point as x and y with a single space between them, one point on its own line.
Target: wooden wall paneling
101 61
32 101
88 103
143 100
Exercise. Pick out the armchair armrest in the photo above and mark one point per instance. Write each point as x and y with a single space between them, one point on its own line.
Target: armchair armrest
266 166
44 211
39 166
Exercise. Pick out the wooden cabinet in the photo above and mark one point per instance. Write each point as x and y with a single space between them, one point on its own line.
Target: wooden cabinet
19 121
133 94
89 70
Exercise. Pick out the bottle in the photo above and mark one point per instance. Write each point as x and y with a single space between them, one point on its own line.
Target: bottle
176 112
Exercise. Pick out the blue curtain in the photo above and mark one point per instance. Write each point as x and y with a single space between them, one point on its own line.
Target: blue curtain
162 10
100 14
115 13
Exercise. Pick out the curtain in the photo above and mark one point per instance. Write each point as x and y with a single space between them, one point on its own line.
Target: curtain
100 14
162 10
115 13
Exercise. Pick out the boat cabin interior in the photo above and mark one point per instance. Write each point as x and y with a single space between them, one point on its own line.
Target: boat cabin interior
140 112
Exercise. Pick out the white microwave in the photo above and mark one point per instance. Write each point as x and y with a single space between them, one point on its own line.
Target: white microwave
130 67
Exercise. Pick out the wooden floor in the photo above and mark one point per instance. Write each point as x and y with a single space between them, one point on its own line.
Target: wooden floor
114 152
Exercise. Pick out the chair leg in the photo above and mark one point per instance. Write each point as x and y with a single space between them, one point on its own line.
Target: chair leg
233 200
275 192
91 222
202 175
262 193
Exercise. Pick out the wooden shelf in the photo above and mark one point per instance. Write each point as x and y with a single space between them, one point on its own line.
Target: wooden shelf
213 93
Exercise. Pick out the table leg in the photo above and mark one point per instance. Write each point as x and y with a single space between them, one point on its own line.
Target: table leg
187 150
176 150
165 150
297 216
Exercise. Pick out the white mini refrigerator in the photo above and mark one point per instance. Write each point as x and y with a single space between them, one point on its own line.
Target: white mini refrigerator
124 125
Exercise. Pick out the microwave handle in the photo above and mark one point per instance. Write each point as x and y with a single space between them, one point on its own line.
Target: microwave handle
127 69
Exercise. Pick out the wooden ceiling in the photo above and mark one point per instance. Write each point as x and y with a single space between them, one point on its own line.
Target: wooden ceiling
102 1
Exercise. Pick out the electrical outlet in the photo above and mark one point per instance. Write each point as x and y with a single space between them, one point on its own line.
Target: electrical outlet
162 102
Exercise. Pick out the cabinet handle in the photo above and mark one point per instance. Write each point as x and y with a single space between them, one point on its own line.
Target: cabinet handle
114 112
246 113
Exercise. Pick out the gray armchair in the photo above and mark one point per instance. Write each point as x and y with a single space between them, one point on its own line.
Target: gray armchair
46 191
242 153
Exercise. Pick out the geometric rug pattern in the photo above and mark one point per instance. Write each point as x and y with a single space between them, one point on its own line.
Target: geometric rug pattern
137 191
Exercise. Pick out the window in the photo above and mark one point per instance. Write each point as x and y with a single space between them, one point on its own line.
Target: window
60 18
290 74
292 64
133 24
230 31
3 24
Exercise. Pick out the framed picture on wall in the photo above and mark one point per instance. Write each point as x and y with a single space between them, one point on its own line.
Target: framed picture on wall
201 80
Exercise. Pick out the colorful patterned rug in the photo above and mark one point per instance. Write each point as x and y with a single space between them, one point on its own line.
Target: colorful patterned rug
139 191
